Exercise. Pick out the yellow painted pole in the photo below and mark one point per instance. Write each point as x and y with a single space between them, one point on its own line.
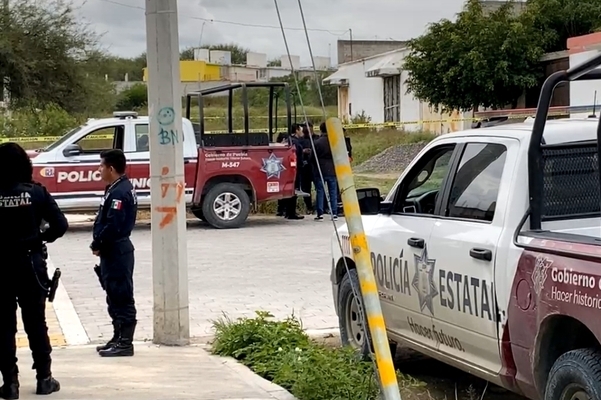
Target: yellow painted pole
367 280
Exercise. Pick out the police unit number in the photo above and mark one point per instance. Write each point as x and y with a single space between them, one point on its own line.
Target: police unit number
230 164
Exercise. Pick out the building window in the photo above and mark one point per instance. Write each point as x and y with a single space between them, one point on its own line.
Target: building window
392 98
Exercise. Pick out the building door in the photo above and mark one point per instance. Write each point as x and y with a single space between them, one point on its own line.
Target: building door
343 108
392 98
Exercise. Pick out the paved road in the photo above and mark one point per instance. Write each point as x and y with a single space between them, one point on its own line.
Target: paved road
270 264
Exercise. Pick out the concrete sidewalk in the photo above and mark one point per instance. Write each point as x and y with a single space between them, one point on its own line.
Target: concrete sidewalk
154 373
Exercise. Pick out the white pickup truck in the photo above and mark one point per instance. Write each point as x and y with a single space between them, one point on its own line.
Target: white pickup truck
487 255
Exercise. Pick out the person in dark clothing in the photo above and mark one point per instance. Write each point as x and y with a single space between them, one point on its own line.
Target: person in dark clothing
308 167
111 242
323 154
290 203
24 206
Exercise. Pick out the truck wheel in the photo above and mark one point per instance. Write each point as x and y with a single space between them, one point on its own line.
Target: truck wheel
351 327
226 206
576 375
198 213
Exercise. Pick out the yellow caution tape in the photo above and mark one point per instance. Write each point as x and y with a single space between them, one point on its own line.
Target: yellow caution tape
32 139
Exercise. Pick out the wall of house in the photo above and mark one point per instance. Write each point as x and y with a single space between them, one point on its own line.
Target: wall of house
358 49
364 94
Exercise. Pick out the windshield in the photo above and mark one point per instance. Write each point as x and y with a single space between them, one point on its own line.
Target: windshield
63 139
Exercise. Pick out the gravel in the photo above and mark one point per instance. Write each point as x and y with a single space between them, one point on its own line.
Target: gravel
393 159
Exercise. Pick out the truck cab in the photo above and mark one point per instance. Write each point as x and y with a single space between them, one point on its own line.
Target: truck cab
487 254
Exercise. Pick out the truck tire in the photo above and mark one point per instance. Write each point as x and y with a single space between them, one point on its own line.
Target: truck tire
198 213
576 375
234 208
351 327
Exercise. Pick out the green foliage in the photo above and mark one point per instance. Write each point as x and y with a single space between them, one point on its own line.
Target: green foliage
134 98
43 52
479 60
283 353
274 63
51 120
559 20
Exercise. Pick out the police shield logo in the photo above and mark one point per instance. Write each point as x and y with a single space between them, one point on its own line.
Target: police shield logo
47 172
273 166
423 281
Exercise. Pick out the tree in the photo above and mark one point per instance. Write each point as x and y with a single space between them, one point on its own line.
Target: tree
479 60
562 19
44 53
276 62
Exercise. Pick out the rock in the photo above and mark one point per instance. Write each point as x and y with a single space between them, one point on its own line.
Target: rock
393 159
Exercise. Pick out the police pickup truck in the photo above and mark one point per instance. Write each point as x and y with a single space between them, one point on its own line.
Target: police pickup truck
487 254
225 173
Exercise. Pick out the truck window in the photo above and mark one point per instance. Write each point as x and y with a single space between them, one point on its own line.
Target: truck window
102 139
476 184
419 191
142 141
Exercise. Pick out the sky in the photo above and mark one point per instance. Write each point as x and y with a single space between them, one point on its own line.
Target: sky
254 24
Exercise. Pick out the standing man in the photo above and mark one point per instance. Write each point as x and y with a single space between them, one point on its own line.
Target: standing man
23 270
323 154
290 203
112 228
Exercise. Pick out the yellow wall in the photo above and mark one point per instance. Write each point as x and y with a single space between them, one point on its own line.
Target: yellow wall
194 71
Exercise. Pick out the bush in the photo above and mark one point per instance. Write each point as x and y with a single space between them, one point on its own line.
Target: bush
134 98
28 122
281 352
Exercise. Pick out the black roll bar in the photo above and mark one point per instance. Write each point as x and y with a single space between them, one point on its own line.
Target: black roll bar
584 72
230 88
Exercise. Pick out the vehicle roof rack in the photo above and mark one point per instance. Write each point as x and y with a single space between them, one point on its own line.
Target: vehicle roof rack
246 138
125 114
539 153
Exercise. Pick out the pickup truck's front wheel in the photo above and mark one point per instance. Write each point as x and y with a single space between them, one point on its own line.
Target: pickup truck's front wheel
352 331
576 375
226 206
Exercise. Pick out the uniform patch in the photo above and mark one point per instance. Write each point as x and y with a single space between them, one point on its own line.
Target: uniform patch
116 204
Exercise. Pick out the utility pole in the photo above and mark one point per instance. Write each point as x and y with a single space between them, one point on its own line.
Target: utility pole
5 12
351 35
169 251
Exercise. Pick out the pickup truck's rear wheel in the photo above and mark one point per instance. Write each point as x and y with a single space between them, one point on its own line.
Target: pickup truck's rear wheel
226 206
576 375
352 332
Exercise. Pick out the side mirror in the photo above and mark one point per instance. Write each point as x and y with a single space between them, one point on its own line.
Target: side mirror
369 201
72 150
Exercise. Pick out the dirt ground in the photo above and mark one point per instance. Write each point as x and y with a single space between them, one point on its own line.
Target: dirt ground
441 382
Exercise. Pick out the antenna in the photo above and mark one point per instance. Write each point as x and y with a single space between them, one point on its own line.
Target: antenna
593 115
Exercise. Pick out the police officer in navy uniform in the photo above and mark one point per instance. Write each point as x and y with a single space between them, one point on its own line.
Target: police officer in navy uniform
24 205
112 229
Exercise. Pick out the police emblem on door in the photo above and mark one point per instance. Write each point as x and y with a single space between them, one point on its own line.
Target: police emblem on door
273 166
423 281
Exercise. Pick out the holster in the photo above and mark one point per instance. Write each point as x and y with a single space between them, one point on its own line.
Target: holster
99 275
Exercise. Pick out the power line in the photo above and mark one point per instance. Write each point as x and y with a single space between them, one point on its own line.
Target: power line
235 23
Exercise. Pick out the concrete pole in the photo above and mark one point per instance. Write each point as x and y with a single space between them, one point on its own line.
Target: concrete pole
367 280
169 250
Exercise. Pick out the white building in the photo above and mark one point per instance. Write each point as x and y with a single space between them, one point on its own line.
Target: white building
375 86
584 93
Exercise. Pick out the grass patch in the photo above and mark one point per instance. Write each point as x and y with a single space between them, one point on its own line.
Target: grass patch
281 352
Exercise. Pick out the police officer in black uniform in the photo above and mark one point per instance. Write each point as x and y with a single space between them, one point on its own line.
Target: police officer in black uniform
115 221
24 205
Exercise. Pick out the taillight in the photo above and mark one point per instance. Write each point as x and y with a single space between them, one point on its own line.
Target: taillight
293 159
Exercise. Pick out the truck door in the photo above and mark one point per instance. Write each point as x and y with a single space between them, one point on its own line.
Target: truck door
399 242
78 182
138 159
464 242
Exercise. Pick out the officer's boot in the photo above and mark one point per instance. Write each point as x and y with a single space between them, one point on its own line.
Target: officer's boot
124 346
48 385
10 388
114 339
